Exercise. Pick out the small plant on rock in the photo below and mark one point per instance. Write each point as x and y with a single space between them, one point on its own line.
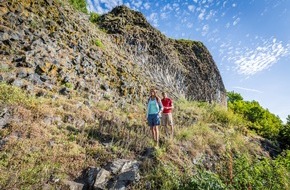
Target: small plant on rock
94 17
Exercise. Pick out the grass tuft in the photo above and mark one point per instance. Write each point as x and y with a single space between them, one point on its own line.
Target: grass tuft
80 5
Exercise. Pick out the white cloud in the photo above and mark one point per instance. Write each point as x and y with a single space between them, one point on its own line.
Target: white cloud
210 14
236 21
202 14
147 6
102 6
248 89
189 25
191 8
153 18
163 15
137 4
224 4
184 20
128 5
167 7
175 5
205 30
228 25
251 61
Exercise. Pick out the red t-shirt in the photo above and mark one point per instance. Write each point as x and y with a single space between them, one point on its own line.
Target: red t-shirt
166 102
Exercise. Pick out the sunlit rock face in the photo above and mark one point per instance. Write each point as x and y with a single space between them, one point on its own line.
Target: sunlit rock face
47 47
182 67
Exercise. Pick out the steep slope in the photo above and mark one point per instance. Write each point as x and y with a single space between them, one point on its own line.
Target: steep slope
59 50
47 47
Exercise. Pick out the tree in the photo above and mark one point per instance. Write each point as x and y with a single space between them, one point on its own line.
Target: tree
284 134
288 120
233 97
261 120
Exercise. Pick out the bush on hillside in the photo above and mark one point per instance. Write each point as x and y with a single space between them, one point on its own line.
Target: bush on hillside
284 134
94 17
261 120
80 5
245 171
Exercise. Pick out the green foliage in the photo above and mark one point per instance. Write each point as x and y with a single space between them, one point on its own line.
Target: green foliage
204 180
94 17
80 5
99 43
165 177
217 114
69 85
284 160
21 166
234 97
259 174
284 134
13 95
260 120
184 41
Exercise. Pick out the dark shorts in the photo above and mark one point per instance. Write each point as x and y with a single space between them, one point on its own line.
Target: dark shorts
153 120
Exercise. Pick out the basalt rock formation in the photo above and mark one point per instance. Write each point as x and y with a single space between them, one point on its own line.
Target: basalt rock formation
47 47
184 67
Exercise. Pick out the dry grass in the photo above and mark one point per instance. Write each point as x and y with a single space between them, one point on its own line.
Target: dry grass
59 138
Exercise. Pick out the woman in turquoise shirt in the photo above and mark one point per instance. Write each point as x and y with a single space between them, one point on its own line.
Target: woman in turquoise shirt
154 108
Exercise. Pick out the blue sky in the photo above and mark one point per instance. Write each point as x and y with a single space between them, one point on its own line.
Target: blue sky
248 39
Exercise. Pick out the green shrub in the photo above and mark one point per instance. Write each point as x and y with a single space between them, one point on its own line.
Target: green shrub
284 134
260 120
204 180
165 177
13 95
246 172
69 85
80 5
99 43
94 17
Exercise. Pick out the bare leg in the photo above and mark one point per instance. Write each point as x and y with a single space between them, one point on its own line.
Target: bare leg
166 130
156 135
172 131
153 133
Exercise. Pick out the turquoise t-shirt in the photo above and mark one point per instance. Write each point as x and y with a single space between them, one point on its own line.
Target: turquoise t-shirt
153 107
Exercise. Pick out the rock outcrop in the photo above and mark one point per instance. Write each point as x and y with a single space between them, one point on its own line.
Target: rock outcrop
47 47
183 67
116 175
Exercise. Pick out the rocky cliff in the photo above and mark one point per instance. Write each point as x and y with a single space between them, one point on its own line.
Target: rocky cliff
48 47
184 67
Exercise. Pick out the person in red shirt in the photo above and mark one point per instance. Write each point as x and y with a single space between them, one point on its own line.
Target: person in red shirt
166 118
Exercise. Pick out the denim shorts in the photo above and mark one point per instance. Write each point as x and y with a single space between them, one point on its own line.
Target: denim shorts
153 120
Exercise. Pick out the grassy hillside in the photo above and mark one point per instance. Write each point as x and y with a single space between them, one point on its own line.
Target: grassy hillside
73 99
50 139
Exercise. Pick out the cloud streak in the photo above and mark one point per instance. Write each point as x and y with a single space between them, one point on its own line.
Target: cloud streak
210 20
249 61
248 89
103 6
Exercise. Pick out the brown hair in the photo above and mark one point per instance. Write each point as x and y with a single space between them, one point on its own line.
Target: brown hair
155 91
